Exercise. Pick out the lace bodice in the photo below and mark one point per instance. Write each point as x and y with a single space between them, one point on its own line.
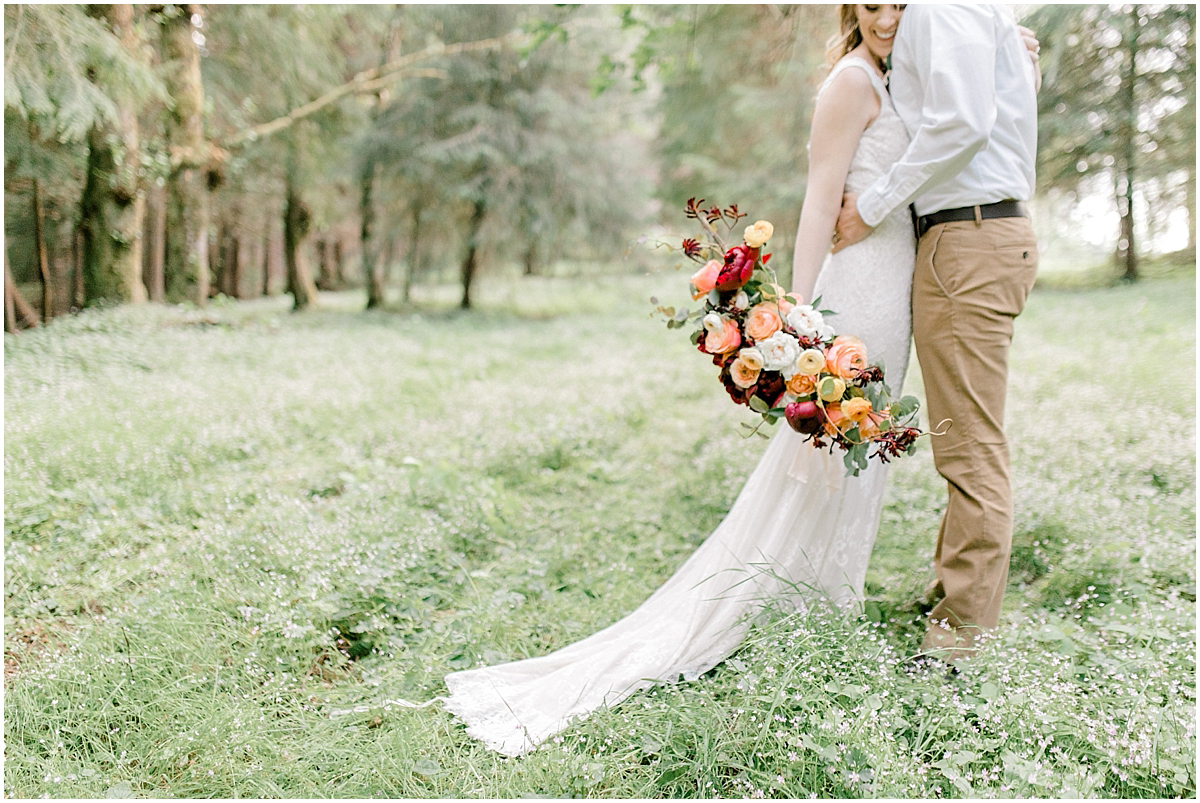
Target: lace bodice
869 284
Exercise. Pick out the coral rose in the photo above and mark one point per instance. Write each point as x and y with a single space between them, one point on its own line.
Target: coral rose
763 321
835 421
743 373
705 279
757 234
847 356
723 334
870 426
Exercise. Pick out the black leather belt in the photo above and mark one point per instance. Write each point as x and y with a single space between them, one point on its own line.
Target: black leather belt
985 212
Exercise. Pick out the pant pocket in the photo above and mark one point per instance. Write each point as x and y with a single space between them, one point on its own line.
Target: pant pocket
1016 271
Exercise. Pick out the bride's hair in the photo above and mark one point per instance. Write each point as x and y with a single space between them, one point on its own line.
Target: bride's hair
848 36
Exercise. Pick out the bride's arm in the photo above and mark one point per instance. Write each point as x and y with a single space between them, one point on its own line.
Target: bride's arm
844 110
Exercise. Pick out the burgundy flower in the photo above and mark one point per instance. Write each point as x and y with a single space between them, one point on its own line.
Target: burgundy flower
770 387
739 395
739 267
804 417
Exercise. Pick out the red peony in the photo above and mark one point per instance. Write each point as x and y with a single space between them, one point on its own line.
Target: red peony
739 267
804 417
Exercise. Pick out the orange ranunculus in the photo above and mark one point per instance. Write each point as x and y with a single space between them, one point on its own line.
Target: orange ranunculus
801 384
743 373
723 335
857 409
763 321
706 279
846 357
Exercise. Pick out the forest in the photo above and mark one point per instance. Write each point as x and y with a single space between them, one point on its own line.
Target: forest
179 152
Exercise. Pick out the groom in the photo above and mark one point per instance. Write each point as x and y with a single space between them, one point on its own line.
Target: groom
963 83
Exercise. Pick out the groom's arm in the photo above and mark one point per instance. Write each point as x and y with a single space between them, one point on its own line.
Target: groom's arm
953 52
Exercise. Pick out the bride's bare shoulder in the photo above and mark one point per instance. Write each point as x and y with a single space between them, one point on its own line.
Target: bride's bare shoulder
849 89
850 74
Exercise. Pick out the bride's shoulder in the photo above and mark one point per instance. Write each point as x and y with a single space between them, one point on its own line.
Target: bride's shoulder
849 81
853 68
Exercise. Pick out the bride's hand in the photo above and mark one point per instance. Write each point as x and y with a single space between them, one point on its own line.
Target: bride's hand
850 227
1034 47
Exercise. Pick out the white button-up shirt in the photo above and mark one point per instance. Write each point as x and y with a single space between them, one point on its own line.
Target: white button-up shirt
963 83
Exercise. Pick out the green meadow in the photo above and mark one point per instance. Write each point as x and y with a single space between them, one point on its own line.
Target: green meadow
234 535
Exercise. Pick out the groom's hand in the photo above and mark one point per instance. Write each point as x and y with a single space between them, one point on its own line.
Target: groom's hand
850 228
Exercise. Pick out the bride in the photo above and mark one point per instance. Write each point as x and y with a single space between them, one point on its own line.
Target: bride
797 523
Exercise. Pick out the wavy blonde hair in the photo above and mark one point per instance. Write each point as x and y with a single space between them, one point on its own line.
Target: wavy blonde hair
848 36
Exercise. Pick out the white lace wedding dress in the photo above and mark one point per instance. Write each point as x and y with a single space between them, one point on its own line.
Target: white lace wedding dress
797 524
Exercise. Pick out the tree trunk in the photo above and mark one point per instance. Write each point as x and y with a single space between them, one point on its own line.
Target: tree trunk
275 266
113 206
1126 245
77 292
414 252
1191 209
372 275
189 204
10 303
157 244
326 280
469 264
16 309
337 257
531 258
266 260
296 220
43 258
229 276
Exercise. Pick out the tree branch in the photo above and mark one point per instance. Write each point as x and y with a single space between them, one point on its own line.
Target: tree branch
370 81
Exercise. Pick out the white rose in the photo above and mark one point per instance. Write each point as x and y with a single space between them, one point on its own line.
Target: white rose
805 320
741 300
825 332
779 351
713 322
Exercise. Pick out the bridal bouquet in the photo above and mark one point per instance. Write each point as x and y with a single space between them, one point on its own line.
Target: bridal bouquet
779 356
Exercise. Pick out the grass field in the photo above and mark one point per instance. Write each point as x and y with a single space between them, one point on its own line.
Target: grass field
233 535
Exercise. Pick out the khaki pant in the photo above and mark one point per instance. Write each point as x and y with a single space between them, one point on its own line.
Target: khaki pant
971 281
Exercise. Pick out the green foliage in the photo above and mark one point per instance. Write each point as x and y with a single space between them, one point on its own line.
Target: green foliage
1118 104
519 131
63 69
738 87
233 537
